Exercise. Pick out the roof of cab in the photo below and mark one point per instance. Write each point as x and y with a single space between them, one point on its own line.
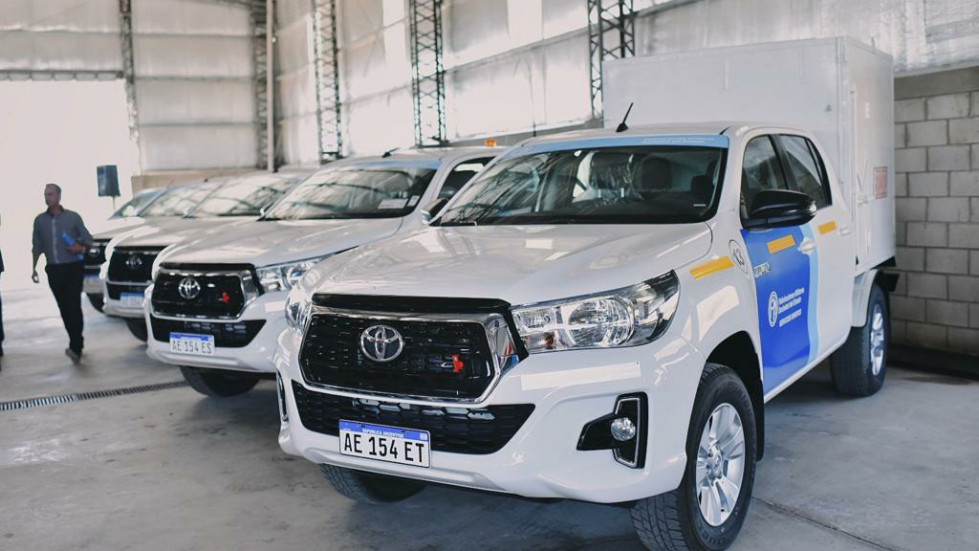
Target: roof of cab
640 131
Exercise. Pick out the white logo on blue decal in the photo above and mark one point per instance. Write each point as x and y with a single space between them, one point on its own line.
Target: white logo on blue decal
772 309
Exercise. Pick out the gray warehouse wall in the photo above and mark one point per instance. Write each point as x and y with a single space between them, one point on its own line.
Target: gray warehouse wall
937 141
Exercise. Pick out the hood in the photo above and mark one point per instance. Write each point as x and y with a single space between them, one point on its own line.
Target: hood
164 232
107 229
518 264
263 243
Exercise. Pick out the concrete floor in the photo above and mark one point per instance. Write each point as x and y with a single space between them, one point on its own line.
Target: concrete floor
174 470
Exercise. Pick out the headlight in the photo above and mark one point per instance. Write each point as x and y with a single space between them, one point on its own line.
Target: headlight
298 309
282 277
104 268
623 317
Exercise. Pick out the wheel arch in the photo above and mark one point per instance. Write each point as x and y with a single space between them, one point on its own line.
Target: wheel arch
738 352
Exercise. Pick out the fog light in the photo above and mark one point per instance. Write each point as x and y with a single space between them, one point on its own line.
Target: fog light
623 429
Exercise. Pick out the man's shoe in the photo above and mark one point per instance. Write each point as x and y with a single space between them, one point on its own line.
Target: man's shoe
75 356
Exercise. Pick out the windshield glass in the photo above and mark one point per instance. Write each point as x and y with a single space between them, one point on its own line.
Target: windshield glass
179 201
243 197
379 190
610 185
134 205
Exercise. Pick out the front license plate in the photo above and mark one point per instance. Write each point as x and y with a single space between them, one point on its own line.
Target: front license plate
93 285
187 343
132 300
391 444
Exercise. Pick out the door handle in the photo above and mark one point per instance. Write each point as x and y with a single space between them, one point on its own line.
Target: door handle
845 230
808 246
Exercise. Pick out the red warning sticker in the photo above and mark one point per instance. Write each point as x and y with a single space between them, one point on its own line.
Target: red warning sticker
880 182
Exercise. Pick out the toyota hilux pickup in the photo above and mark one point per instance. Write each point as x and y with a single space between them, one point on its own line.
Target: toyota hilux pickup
215 306
212 206
130 215
598 316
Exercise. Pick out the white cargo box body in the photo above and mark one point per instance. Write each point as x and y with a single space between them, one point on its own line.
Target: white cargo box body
837 88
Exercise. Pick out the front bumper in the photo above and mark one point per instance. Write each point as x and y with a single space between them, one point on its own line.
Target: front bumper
568 390
256 356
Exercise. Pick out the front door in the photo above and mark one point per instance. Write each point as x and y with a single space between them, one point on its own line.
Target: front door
784 263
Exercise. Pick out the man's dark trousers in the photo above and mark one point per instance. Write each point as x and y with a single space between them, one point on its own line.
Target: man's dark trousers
66 284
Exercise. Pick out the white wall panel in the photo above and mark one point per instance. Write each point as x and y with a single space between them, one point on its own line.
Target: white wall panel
297 140
380 122
189 17
919 34
192 101
193 56
59 50
561 16
61 15
293 46
541 87
40 35
296 93
288 12
185 147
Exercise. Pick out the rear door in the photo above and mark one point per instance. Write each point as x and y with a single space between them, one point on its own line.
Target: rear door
784 262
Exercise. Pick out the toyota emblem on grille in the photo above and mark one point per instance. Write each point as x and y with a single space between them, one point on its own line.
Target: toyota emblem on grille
381 343
189 288
134 262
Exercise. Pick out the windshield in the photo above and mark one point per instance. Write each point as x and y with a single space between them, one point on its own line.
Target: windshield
134 205
608 185
382 190
243 197
178 201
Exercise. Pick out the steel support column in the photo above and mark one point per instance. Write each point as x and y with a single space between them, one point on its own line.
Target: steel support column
327 75
611 35
260 19
128 65
428 74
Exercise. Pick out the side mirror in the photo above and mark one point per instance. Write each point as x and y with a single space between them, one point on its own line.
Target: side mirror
778 208
430 210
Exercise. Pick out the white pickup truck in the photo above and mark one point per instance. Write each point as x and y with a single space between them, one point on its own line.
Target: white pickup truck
215 307
601 316
212 206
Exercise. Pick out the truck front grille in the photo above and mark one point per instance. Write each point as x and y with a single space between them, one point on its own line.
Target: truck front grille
132 265
226 335
440 359
217 295
456 430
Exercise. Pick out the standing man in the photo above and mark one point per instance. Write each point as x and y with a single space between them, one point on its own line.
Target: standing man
61 235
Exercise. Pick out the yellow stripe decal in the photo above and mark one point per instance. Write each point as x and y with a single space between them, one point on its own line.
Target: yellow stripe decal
712 267
827 227
781 244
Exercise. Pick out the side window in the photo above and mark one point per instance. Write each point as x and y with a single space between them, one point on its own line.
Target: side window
460 175
801 158
761 170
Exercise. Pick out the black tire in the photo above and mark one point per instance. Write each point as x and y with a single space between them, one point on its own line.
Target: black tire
218 383
673 521
137 326
97 301
851 365
372 489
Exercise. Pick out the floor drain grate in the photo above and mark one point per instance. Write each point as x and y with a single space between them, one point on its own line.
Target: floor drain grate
71 398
